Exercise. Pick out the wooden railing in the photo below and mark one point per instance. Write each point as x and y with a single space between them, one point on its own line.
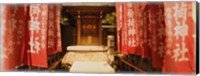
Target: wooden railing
132 66
54 65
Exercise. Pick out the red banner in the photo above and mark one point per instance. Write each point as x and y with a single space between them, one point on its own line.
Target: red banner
13 20
133 34
155 30
156 19
37 54
130 29
139 29
180 31
119 13
145 34
30 34
54 42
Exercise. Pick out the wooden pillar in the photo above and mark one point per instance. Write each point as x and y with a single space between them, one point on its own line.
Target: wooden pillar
100 27
79 26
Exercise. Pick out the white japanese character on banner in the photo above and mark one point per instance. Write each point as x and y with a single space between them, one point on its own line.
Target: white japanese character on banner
181 29
130 13
131 42
178 52
37 45
180 12
35 9
184 31
182 52
34 26
130 22
44 13
131 31
34 45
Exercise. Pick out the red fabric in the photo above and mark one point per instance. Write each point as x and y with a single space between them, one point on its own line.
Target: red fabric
131 28
180 31
54 42
26 35
37 54
13 21
58 16
30 34
146 31
123 33
139 37
119 20
156 19
168 41
45 39
133 31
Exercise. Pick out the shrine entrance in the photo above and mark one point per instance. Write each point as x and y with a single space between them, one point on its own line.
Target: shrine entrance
88 23
89 30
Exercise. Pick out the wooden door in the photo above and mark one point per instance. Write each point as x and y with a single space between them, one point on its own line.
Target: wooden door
89 30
